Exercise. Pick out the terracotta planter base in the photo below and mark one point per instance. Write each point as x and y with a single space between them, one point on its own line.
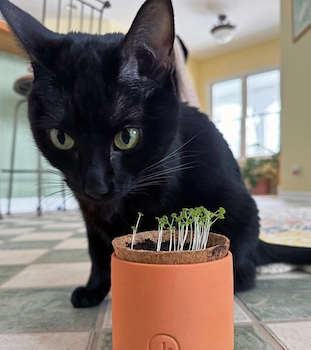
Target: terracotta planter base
176 307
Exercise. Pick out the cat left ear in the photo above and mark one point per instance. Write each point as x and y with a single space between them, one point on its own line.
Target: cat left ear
34 38
150 39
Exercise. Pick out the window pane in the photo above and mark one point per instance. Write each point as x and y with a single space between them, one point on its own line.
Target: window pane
227 112
263 114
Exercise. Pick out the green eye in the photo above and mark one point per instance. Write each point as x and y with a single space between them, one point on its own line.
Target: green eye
127 138
61 140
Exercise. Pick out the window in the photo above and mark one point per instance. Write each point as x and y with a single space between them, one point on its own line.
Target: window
246 110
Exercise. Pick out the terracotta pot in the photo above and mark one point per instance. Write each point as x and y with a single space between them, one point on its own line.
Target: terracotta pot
172 306
262 186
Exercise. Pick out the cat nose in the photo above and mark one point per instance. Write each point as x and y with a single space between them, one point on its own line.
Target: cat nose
96 190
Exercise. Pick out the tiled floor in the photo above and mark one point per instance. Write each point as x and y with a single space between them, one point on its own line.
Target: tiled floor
43 259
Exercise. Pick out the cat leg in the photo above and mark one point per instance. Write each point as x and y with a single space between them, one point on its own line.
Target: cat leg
99 282
244 275
243 263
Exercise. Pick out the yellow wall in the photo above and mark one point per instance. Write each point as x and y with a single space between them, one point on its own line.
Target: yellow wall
255 58
296 101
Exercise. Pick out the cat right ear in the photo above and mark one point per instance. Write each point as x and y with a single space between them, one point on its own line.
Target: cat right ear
148 46
34 38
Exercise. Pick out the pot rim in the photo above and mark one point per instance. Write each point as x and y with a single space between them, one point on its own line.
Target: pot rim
218 249
172 266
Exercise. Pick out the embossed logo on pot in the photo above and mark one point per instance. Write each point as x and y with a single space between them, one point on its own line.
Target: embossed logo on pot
163 342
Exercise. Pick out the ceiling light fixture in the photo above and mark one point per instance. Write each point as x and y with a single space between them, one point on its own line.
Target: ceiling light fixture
223 30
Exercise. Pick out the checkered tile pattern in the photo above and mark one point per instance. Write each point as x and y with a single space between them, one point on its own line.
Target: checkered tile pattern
42 259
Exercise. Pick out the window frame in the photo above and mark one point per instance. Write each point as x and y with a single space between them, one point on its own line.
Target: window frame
243 76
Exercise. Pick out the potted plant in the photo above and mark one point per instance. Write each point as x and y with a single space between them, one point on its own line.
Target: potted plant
172 288
261 174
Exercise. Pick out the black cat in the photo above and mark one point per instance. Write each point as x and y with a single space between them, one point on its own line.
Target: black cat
105 111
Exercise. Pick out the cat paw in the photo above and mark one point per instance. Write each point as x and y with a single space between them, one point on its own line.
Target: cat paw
83 297
275 268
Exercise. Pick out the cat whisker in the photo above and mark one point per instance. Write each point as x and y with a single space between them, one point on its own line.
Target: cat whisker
176 150
35 193
160 177
53 171
53 194
72 202
46 187
55 200
150 183
165 172
54 181
166 162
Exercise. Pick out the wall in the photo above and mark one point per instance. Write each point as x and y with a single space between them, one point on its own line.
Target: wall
13 67
250 59
296 115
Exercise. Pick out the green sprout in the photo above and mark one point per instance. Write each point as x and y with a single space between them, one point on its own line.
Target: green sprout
172 229
135 228
161 225
192 223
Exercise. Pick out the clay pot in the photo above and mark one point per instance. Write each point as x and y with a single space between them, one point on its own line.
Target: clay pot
177 306
262 186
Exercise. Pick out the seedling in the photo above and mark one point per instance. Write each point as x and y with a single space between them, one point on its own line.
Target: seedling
193 226
135 228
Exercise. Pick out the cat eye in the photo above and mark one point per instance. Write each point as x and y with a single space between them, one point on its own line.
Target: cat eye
127 139
61 140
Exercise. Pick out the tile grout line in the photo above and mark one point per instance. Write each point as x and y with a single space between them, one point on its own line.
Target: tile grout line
48 250
24 267
255 322
99 324
47 331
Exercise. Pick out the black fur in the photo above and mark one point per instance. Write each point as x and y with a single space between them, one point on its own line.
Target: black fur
92 87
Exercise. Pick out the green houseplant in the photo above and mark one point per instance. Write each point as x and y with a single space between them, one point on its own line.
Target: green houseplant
256 170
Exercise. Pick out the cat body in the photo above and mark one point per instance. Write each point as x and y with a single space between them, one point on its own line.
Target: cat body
200 147
105 111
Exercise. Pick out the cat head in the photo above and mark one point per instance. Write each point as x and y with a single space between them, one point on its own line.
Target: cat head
103 109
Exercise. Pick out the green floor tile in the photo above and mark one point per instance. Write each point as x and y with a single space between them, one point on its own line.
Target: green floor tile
246 338
7 237
280 299
105 342
29 245
8 271
249 338
28 310
79 235
65 256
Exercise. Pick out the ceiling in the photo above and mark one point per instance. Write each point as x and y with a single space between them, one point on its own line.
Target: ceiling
257 20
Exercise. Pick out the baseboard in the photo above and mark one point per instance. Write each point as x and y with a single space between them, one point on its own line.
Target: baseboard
295 196
28 205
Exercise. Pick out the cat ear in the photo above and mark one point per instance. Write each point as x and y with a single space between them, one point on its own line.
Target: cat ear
150 39
34 38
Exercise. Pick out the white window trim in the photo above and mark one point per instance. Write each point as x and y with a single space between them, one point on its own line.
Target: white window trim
243 76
